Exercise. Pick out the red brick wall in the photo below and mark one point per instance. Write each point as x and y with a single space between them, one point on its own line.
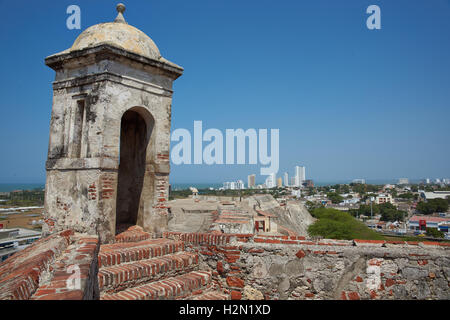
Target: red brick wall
40 271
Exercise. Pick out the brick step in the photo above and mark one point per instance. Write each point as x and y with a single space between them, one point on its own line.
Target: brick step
166 289
127 275
132 234
119 253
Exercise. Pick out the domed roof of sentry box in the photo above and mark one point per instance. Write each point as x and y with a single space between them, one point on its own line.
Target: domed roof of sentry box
118 34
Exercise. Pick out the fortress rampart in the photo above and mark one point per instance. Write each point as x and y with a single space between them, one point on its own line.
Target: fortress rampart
230 266
283 267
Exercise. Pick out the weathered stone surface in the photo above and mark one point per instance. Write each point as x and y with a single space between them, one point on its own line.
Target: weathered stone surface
259 268
283 287
414 273
276 269
250 293
334 270
294 268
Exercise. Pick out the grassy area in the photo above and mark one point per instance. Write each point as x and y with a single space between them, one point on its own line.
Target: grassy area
23 203
336 224
24 198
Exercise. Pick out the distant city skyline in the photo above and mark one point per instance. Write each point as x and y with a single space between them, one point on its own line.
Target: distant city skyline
5 187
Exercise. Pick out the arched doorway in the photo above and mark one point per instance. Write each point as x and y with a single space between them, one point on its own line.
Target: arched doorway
134 138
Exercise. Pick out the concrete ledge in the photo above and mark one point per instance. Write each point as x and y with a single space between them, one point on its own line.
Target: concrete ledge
82 164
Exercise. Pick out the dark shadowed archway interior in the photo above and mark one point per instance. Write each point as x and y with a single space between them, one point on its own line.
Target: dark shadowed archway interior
133 147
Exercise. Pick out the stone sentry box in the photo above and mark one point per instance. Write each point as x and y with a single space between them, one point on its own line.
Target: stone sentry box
108 157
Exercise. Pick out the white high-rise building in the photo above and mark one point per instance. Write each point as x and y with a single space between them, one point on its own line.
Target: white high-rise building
300 175
234 185
292 182
286 179
271 181
239 185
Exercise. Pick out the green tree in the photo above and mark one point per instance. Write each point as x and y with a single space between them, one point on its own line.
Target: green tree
432 206
435 233
407 195
335 197
394 193
311 191
313 205
392 215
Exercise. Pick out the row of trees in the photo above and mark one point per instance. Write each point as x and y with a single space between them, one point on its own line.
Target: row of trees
24 198
387 211
335 197
432 206
408 196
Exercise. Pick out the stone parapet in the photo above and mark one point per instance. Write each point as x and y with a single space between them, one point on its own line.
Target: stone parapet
295 268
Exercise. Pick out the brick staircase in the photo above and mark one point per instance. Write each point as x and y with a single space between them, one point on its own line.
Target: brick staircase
137 267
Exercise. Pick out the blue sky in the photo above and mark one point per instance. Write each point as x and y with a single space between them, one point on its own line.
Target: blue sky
349 102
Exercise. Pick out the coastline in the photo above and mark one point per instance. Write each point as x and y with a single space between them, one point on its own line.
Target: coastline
8 187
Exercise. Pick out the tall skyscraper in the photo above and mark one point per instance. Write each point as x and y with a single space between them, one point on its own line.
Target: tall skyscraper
300 175
271 180
286 179
279 182
292 182
251 181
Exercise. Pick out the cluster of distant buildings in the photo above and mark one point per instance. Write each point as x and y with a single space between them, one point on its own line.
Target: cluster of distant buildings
16 239
272 181
299 181
234 185
405 181
438 181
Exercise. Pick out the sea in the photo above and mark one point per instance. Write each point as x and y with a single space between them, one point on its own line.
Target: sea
8 187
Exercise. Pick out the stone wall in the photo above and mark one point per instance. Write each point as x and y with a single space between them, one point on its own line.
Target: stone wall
247 267
283 267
